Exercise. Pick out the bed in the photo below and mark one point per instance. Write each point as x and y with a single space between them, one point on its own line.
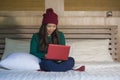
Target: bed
95 47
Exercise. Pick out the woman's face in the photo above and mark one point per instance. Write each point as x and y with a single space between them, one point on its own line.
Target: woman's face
51 28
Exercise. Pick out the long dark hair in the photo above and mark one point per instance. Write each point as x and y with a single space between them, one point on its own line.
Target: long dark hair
43 35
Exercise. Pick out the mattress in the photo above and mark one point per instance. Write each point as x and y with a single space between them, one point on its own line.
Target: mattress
94 71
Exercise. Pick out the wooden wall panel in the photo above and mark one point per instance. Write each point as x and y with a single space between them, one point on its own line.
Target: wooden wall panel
22 5
92 5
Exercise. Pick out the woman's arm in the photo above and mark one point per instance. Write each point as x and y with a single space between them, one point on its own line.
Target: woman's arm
34 47
62 38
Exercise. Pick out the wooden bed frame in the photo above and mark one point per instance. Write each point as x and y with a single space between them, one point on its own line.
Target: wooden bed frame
71 32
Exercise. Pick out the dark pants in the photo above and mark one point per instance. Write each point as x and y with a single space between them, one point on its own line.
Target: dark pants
50 65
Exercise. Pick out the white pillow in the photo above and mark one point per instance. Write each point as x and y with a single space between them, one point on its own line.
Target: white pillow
20 61
12 46
89 50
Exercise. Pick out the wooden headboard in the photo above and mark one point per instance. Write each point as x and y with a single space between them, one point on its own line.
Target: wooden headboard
71 32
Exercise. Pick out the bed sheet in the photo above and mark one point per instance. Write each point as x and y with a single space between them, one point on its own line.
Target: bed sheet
100 70
38 75
102 74
94 71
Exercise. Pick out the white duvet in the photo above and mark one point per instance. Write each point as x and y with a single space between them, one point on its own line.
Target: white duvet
101 71
94 71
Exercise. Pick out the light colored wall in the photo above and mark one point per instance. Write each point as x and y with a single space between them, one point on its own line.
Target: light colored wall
22 5
92 5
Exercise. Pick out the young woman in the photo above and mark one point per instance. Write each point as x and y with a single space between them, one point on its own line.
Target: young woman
49 34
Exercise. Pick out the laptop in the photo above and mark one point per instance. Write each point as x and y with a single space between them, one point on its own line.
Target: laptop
58 52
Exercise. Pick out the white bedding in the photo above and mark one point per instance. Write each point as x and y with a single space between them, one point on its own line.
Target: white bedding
36 75
94 71
101 71
102 74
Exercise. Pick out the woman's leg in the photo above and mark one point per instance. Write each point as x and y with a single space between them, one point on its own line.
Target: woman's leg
50 65
68 65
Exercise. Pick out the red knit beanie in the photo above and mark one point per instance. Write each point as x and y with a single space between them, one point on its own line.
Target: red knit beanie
50 17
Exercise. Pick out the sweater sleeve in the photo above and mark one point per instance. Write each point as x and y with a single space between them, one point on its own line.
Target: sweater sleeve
34 47
62 38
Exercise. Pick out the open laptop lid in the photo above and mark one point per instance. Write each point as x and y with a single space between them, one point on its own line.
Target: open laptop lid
58 52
